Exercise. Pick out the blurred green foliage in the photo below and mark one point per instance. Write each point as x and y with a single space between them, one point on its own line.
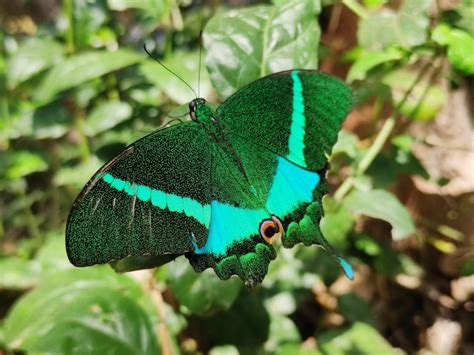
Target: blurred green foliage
76 88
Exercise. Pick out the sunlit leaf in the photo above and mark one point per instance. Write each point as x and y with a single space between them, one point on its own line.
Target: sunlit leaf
105 116
33 56
17 273
460 45
360 338
24 163
82 67
77 176
370 59
244 45
346 143
383 205
406 28
282 330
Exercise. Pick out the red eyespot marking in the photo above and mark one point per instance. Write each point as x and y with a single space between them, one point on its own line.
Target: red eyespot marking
271 228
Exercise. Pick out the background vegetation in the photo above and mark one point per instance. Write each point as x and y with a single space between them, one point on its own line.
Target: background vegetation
76 88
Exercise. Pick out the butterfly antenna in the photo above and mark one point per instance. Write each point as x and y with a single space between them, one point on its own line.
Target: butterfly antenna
200 56
172 72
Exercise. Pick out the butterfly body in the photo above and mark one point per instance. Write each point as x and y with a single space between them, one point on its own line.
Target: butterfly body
221 188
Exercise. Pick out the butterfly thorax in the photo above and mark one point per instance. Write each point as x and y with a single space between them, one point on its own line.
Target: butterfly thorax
202 113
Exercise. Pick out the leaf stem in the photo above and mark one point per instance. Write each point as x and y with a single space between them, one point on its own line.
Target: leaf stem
4 107
79 126
380 139
357 8
163 333
69 14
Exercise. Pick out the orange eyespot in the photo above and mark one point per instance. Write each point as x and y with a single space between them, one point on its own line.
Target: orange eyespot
271 228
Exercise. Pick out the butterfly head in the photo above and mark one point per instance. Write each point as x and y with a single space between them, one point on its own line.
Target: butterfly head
271 229
195 108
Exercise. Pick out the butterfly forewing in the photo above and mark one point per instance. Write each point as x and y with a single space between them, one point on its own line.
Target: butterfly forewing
149 200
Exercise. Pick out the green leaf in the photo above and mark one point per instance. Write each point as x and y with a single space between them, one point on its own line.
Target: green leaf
105 116
77 311
33 56
355 308
155 8
52 121
246 324
371 59
382 205
467 267
406 28
83 67
186 66
202 293
23 163
337 222
460 44
17 273
244 45
360 338
78 175
224 350
346 143
282 330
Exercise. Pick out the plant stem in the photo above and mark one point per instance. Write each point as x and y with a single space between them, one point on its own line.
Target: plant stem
69 13
163 333
79 126
4 108
380 139
357 8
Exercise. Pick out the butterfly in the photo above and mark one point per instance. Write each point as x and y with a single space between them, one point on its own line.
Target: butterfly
220 188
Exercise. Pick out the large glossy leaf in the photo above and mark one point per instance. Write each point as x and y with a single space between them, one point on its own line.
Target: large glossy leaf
383 205
82 311
201 293
106 116
244 45
33 56
186 66
360 339
82 67
406 28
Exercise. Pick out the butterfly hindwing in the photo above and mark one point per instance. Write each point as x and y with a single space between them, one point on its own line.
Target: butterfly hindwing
296 115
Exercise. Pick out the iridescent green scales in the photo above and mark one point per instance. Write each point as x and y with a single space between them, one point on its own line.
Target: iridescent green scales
221 188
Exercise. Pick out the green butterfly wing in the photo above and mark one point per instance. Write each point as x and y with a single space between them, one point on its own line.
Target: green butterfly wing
147 201
296 114
206 189
292 118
